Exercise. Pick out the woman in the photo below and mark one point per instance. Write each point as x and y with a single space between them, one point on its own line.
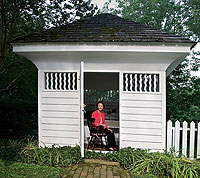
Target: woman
99 120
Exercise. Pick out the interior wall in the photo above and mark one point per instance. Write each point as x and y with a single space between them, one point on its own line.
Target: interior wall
100 80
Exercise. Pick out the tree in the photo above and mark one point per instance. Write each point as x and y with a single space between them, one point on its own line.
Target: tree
19 17
180 17
18 76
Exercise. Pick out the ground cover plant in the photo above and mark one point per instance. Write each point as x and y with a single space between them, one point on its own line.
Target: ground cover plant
157 164
18 170
139 162
27 151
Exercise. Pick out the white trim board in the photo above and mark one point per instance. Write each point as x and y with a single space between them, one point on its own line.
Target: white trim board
183 48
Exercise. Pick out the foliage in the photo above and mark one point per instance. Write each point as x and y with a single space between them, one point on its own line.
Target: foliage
180 17
18 98
55 156
18 76
138 161
27 151
10 149
19 120
19 17
17 170
154 164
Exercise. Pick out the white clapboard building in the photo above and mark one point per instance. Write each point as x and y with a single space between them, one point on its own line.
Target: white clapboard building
108 58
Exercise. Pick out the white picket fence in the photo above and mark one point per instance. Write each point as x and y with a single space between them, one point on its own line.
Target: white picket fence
182 139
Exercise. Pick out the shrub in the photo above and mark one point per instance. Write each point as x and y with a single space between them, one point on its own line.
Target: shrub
27 151
9 149
158 164
54 156
137 161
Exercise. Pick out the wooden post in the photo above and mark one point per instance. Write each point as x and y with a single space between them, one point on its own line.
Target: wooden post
184 139
169 135
82 107
198 141
192 139
177 136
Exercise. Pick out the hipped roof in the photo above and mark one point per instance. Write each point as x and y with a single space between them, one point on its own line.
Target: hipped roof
103 28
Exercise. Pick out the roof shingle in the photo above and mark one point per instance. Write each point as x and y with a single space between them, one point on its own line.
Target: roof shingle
103 28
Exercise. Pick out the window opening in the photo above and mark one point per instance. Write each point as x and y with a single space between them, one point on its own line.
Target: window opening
60 80
140 82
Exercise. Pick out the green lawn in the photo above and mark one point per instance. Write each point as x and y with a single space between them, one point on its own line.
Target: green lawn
12 169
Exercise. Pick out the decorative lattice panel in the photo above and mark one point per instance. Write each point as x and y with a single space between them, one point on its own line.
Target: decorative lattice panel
60 80
140 82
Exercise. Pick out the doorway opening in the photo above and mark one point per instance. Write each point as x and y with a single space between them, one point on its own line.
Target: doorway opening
102 86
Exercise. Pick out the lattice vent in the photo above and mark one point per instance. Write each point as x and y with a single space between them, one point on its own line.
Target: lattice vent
140 82
60 80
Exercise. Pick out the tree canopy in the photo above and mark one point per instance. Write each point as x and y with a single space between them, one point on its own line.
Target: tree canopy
180 17
19 17
18 76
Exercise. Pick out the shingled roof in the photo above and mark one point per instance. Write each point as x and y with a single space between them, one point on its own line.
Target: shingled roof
103 28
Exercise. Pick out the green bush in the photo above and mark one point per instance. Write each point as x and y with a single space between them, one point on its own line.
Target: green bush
154 164
27 151
54 156
10 149
137 161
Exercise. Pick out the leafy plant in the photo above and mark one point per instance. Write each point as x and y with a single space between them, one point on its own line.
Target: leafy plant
55 156
157 164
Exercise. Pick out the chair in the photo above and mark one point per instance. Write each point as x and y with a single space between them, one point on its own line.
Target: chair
95 134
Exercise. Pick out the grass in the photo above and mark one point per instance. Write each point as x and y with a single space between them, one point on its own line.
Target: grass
15 169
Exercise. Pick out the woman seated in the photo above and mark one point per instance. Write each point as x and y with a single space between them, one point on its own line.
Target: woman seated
99 120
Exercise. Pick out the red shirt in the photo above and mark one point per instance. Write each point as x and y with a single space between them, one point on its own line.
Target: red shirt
97 118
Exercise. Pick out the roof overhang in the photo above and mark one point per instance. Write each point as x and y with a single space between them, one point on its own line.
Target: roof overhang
129 47
170 54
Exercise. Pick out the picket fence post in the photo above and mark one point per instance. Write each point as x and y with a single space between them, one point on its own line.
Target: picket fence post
177 136
174 135
198 141
192 139
169 135
184 139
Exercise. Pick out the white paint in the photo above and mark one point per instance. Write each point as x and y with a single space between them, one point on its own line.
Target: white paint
169 135
59 114
177 137
162 86
173 135
192 139
82 106
184 139
198 141
132 47
141 118
65 108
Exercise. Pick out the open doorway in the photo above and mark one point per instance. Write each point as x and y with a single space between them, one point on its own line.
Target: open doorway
102 86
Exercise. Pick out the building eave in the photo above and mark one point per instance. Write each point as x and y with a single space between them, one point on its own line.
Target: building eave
100 47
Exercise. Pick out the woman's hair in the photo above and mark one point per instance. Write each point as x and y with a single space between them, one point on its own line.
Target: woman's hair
101 103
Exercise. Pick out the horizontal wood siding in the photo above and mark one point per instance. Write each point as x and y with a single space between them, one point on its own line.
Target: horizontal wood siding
60 118
141 120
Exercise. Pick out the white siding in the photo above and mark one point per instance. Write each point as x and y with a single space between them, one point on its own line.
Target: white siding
59 116
141 119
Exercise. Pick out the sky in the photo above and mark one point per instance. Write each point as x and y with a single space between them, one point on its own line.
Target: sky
99 3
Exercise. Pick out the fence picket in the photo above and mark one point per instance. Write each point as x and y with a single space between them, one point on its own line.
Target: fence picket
174 135
184 139
198 141
169 135
192 139
177 136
